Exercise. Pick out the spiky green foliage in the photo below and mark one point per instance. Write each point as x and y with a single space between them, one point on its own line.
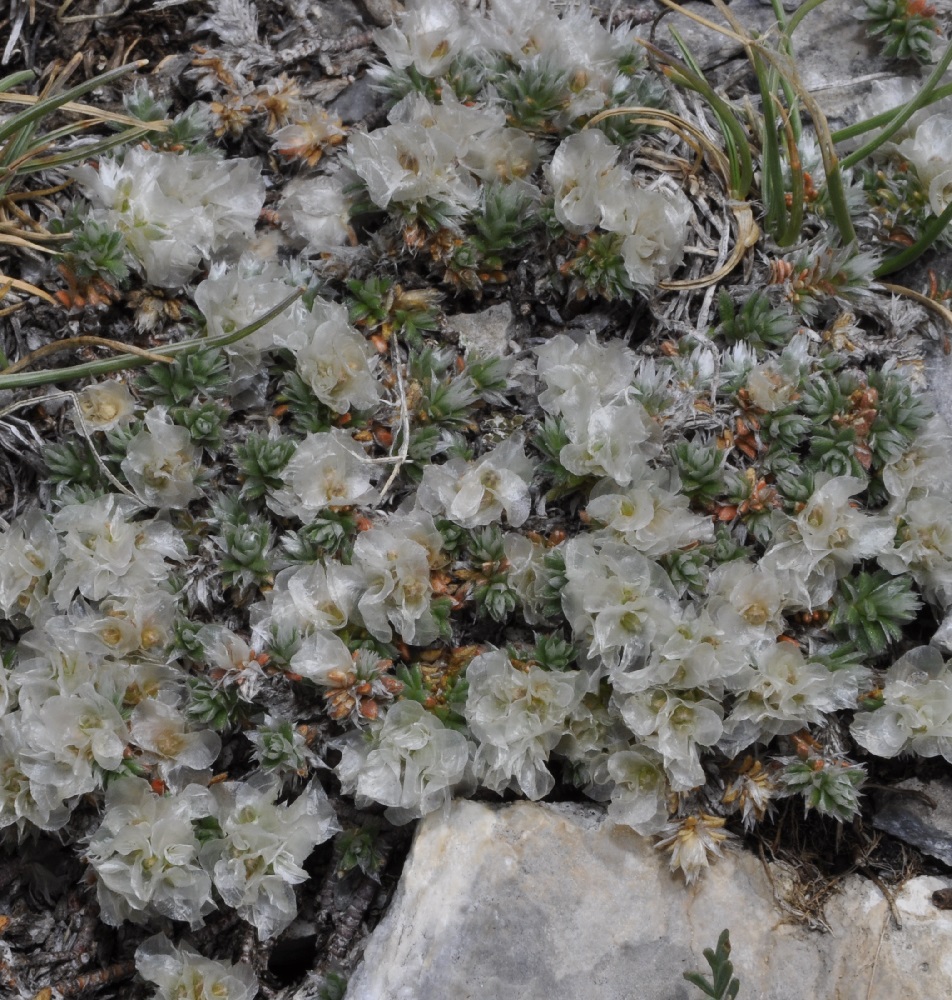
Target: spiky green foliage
758 322
900 412
550 439
906 29
200 373
214 705
871 608
70 463
724 985
827 273
359 847
448 706
96 251
598 268
261 460
533 94
640 90
701 468
308 414
505 223
831 786
245 541
332 533
188 130
553 652
205 423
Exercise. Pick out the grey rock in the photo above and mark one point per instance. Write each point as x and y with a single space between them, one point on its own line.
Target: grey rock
484 334
543 902
357 101
835 60
911 819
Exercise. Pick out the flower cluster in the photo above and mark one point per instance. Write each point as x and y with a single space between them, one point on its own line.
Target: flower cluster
660 563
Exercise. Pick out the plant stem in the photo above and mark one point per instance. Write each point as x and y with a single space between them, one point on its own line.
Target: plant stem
905 113
27 380
930 233
877 121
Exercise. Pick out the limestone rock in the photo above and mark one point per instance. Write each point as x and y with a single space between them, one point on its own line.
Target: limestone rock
485 334
835 60
545 902
911 819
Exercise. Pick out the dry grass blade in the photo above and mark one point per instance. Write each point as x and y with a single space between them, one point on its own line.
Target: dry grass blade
923 300
97 115
23 286
748 232
84 341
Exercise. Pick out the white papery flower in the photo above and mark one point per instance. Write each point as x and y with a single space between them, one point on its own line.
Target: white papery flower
693 841
528 575
924 466
232 297
327 470
691 652
335 361
575 373
654 223
610 441
428 36
748 599
29 552
785 692
104 405
824 541
518 28
923 546
518 718
22 800
409 164
68 736
650 514
320 654
145 854
174 210
161 462
411 763
916 714
257 860
585 179
317 210
104 554
397 588
181 973
615 599
142 623
465 124
640 794
178 753
770 387
317 596
930 152
676 727
472 494
503 154
54 660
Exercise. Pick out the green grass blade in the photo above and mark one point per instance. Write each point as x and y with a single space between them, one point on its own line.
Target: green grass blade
51 376
16 80
930 233
908 110
41 109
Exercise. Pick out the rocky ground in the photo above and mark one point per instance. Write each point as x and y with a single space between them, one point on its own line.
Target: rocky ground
52 942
